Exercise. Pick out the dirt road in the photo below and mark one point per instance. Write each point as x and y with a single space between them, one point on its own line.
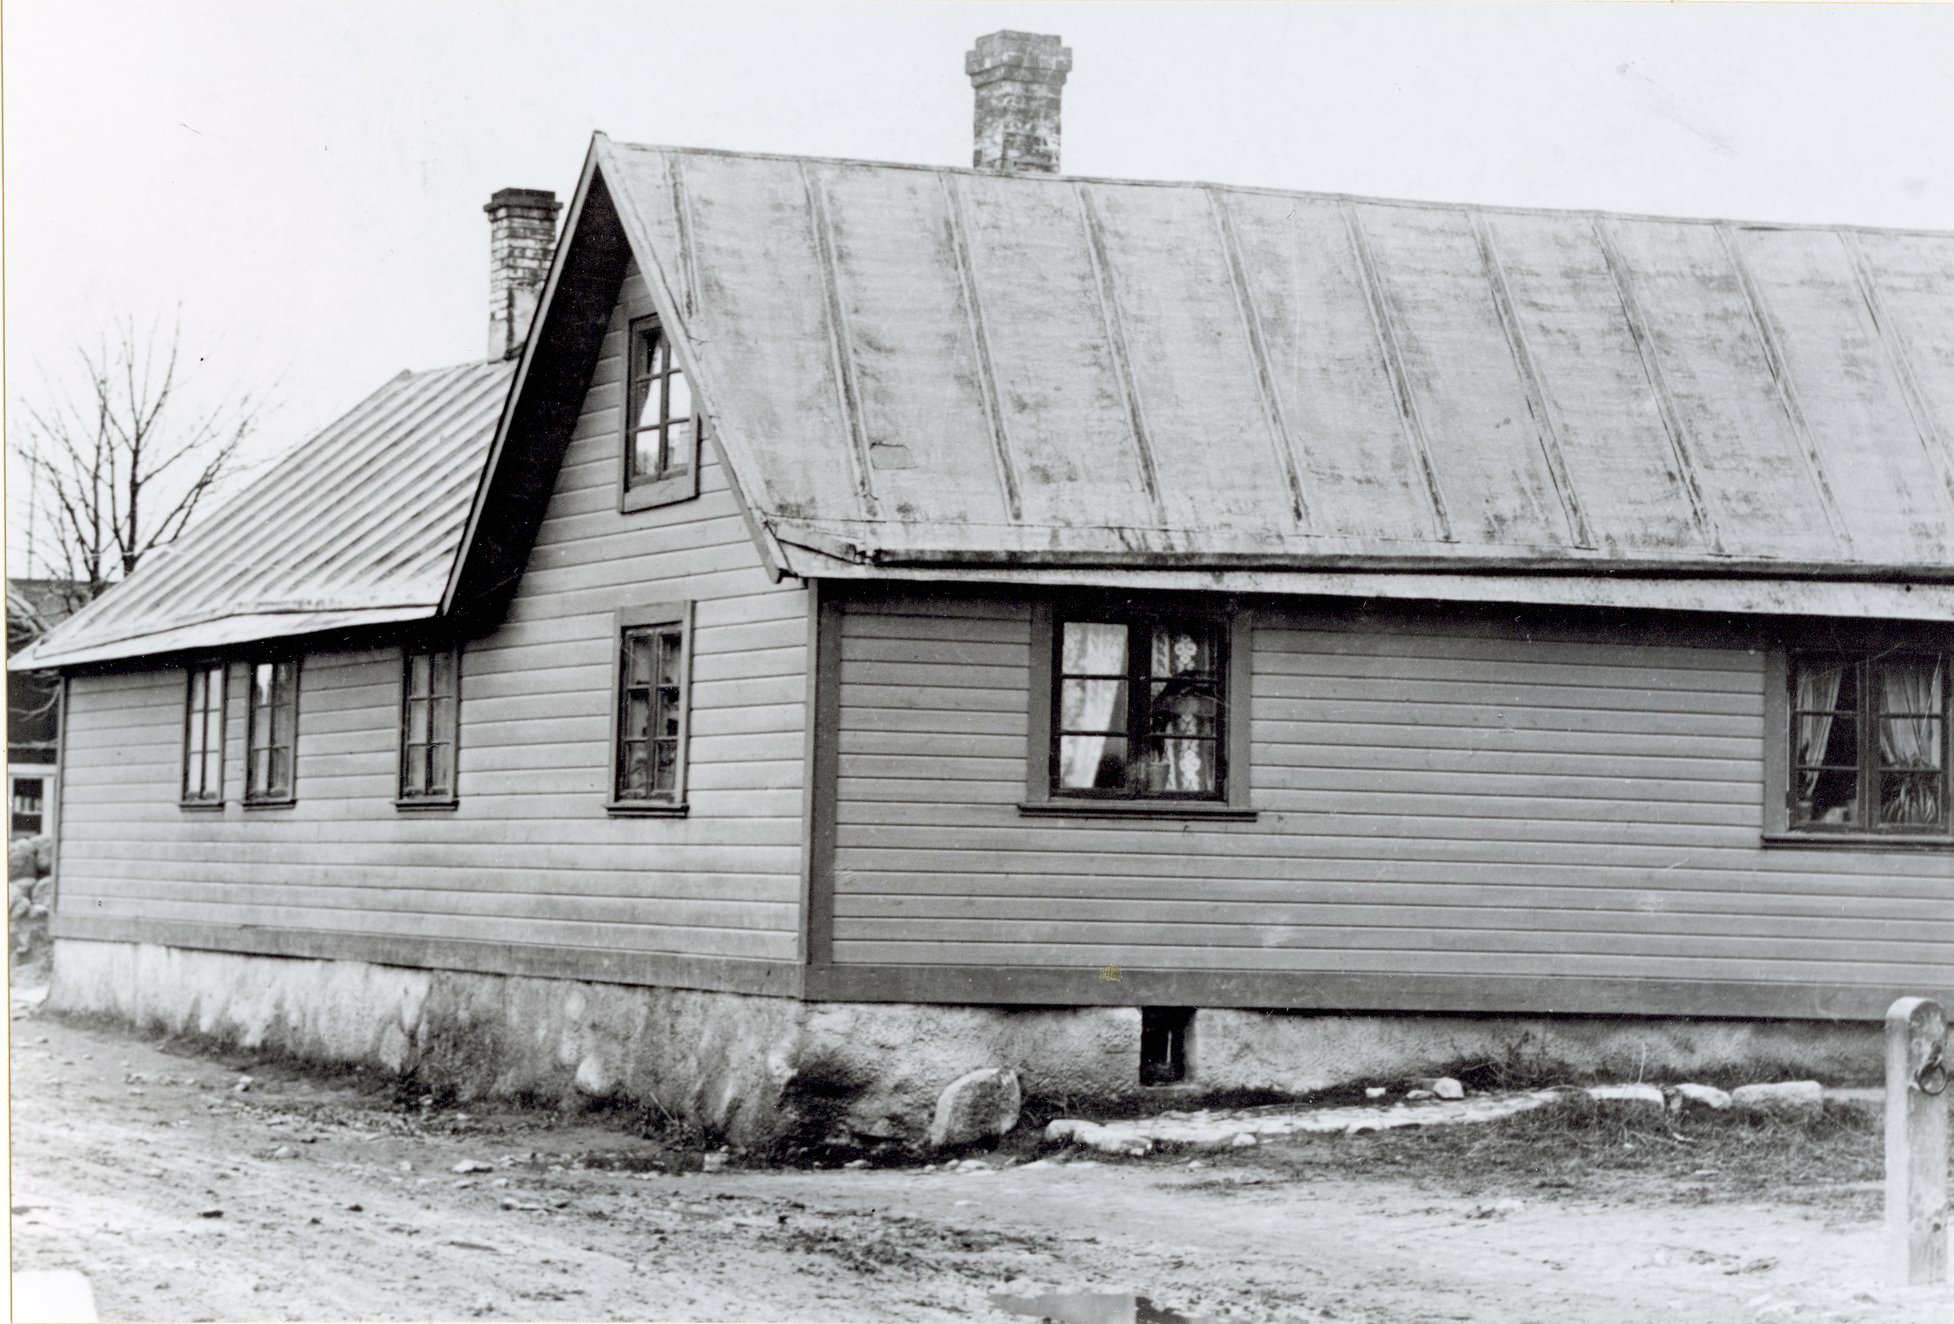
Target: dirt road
182 1196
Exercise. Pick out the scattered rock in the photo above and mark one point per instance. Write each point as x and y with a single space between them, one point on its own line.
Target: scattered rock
405 1166
1419 1094
1790 1098
520 1206
243 1086
1375 1091
1072 1130
471 1245
1245 1140
856 1163
713 1162
472 1165
1687 1098
1648 1095
284 1152
355 1208
1443 1087
1196 1163
976 1106
210 1213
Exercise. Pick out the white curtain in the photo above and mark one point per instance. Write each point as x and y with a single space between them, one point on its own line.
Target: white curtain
1818 687
1909 740
1186 765
1095 649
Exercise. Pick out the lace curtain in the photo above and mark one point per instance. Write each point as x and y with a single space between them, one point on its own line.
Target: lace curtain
1097 705
1818 687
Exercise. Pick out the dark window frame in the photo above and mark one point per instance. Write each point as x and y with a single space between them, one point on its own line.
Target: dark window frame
1782 826
650 618
1234 629
270 797
672 482
408 795
207 795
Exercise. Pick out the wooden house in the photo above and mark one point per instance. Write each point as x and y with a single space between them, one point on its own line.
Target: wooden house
881 597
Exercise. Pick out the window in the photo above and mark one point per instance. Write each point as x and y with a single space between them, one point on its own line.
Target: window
1868 743
1132 712
1164 1032
429 702
203 737
29 806
648 737
661 429
271 745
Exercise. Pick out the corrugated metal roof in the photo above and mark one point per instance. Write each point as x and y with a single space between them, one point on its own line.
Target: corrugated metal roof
359 525
912 366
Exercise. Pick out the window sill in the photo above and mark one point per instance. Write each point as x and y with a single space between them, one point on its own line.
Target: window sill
201 806
426 806
1135 809
286 803
1862 841
646 809
659 492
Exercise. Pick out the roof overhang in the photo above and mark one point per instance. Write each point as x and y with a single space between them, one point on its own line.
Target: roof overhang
217 633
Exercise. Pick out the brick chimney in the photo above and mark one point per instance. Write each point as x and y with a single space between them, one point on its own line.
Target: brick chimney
1018 77
522 236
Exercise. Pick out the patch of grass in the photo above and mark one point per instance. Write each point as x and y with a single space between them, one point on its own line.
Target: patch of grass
1581 1146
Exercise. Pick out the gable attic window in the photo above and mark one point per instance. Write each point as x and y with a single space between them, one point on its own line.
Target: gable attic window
203 737
1138 712
661 427
271 743
648 733
430 700
1866 737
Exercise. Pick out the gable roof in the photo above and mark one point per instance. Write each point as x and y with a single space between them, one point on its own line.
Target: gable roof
359 525
926 372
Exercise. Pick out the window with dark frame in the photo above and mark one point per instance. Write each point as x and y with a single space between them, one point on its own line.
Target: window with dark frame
651 714
203 736
271 745
430 697
1869 743
29 806
659 417
1138 708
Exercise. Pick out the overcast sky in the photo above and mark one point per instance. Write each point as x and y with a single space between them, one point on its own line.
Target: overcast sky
305 181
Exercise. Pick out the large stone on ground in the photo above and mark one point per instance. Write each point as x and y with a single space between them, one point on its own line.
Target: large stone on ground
979 1105
1648 1095
1788 1098
1697 1098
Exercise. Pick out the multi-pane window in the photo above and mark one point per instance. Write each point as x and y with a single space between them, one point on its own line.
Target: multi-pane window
29 806
203 736
660 422
652 671
429 697
1138 709
272 743
1869 745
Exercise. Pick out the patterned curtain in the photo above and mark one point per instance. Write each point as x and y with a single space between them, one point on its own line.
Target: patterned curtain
1189 764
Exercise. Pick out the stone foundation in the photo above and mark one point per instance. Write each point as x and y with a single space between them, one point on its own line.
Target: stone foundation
761 1071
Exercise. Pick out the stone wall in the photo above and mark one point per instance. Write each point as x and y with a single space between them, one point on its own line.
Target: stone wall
763 1071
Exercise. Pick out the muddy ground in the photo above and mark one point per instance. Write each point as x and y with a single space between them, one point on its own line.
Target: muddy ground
311 1196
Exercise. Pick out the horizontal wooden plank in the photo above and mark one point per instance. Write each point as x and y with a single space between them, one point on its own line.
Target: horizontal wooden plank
1558 964
857 649
669 969
1346 991
1318 924
1273 692
1290 655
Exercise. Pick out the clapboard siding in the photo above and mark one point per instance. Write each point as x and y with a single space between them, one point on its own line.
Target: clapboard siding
530 855
1435 798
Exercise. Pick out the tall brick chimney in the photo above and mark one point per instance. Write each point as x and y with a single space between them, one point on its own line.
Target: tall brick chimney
1018 77
522 236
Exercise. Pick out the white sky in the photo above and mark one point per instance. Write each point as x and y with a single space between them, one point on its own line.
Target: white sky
305 180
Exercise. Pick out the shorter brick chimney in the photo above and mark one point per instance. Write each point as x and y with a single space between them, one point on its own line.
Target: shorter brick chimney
1018 77
522 237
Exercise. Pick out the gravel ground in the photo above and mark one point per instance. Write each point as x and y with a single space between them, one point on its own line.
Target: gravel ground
310 1196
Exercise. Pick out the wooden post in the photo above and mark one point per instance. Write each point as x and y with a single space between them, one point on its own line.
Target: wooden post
1916 1142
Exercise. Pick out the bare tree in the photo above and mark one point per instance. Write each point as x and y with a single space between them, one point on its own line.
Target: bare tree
121 465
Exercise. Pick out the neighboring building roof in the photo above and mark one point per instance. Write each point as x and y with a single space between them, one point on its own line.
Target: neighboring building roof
946 372
359 525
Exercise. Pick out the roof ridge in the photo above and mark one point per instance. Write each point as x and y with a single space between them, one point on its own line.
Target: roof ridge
1504 209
